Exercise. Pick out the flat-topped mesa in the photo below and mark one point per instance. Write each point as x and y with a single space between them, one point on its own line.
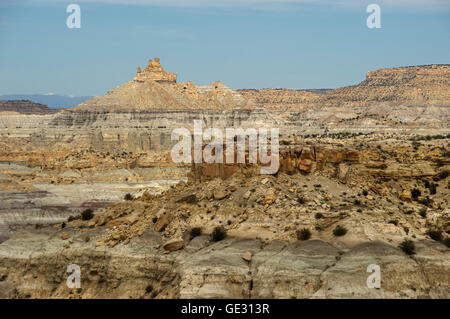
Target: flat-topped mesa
154 72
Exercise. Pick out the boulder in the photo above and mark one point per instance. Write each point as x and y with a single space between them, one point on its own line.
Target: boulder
247 256
219 194
174 244
161 223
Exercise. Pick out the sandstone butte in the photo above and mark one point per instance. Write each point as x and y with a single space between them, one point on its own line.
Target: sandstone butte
153 88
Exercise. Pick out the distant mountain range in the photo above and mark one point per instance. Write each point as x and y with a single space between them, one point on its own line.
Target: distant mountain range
53 101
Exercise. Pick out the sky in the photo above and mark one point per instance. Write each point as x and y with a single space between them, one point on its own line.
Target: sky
245 44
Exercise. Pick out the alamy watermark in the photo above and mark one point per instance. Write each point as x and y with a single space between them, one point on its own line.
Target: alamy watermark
374 19
74 279
374 280
214 151
74 19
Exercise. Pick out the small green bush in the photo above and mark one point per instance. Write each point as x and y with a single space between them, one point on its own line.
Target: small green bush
432 188
446 242
435 235
154 220
303 234
408 247
128 197
219 233
339 231
149 289
443 174
415 193
423 212
365 192
72 218
87 214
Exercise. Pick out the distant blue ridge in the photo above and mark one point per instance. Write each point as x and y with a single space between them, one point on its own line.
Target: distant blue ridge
52 101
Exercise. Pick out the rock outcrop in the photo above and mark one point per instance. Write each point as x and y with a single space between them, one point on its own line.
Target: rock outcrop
155 89
427 85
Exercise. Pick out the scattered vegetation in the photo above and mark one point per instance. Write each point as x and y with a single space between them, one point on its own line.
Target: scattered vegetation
408 247
432 188
318 215
219 233
415 193
72 218
149 289
154 219
128 197
63 225
303 234
446 242
423 212
443 174
339 231
87 214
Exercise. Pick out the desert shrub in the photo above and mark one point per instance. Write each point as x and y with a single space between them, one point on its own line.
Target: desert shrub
357 202
301 200
427 184
365 192
339 231
149 289
72 218
63 225
415 193
432 188
443 174
318 215
303 234
408 247
219 233
435 235
426 201
87 214
423 212
446 242
128 196
196 231
154 219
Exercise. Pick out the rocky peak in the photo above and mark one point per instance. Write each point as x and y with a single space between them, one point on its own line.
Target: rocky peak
155 72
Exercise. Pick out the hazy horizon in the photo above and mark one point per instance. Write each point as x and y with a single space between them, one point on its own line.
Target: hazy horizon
245 45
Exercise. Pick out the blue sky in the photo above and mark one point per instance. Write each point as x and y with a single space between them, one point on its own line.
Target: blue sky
245 44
